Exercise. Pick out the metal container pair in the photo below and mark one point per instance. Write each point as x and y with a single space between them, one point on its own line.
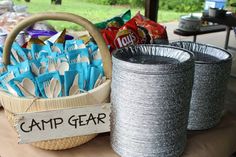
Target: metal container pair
151 91
152 87
212 70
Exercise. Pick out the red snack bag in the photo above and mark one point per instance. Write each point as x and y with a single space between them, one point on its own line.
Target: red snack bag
156 31
109 35
119 37
127 35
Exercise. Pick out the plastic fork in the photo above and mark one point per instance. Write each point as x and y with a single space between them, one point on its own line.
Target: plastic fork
47 91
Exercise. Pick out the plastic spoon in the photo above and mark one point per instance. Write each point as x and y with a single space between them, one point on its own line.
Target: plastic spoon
74 89
64 66
51 66
52 86
47 91
35 70
24 92
42 69
28 85
57 89
55 49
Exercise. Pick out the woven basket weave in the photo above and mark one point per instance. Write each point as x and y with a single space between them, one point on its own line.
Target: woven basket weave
14 105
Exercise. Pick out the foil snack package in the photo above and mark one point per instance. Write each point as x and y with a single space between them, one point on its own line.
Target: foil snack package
116 21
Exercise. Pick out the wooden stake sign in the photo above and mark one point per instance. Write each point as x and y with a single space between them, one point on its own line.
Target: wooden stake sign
54 124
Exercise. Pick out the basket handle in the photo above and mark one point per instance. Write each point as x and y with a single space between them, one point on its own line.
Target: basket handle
106 57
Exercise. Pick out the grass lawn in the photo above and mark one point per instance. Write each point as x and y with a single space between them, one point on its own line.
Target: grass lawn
92 12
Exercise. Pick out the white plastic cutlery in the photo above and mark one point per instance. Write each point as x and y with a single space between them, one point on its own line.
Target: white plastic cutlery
23 90
62 67
47 90
29 86
74 89
55 87
42 69
34 69
11 90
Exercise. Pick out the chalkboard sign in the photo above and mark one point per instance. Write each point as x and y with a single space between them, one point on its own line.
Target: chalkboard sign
55 124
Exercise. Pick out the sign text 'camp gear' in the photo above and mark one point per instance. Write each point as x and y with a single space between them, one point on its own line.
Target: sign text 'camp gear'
55 124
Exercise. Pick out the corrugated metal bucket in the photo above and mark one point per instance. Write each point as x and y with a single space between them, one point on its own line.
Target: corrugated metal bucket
151 92
212 70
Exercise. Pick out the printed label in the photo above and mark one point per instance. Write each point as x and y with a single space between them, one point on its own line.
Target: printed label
55 124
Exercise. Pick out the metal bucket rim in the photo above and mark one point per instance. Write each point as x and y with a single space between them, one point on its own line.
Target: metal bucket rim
220 61
191 55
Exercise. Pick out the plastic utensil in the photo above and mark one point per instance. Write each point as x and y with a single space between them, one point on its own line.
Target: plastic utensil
47 89
64 66
74 89
23 91
29 86
34 69
57 89
11 90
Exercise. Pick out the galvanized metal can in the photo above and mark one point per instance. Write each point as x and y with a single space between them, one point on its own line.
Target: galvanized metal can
151 91
212 70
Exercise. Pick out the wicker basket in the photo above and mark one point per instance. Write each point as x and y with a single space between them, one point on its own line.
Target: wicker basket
13 105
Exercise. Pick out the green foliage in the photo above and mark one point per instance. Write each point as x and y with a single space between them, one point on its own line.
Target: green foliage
91 11
105 2
174 5
182 5
122 2
133 3
137 3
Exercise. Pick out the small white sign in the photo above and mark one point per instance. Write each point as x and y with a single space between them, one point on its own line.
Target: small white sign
54 124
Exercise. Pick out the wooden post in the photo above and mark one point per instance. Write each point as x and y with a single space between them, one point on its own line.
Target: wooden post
56 2
151 9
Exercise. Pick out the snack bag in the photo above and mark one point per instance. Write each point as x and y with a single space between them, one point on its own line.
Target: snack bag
156 32
33 41
127 35
116 21
109 36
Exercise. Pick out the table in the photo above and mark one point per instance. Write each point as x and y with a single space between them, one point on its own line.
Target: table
200 144
217 142
229 21
203 30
